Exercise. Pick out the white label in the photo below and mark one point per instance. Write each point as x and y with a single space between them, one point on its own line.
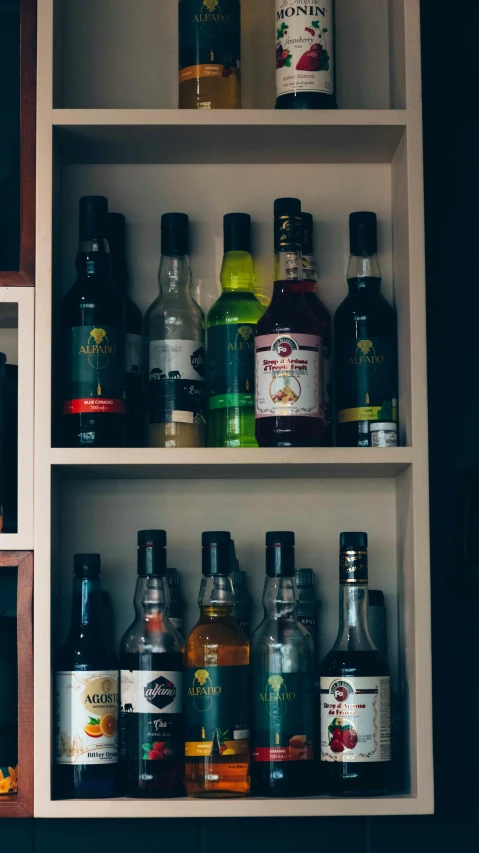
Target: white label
177 360
384 438
86 717
288 371
133 353
355 719
147 692
304 47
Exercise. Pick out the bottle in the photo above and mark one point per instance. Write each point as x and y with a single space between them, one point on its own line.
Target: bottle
308 605
354 688
283 683
231 327
93 340
242 600
318 308
377 616
288 349
305 56
86 696
134 332
210 54
177 603
217 687
365 325
151 683
174 326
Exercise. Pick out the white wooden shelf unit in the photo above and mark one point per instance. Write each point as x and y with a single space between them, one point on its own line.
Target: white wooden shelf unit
107 124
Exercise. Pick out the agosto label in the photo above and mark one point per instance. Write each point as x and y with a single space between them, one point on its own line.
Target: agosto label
86 717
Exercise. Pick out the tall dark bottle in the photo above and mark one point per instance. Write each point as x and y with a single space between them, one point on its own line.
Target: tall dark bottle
151 683
366 360
93 340
288 348
354 688
283 683
134 331
86 696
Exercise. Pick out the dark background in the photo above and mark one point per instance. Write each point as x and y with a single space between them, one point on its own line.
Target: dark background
451 139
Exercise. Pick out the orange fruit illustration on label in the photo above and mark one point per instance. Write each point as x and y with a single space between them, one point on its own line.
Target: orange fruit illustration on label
92 730
108 725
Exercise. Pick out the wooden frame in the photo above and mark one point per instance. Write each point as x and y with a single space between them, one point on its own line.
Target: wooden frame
21 804
25 276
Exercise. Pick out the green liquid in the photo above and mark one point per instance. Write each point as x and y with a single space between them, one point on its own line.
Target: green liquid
231 327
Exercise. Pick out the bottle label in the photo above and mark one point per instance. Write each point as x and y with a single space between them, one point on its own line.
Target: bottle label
217 721
366 380
86 710
355 719
288 371
231 366
151 715
304 47
176 382
133 354
284 716
210 39
97 365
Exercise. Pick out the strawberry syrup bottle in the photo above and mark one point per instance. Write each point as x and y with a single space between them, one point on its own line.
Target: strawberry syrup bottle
288 347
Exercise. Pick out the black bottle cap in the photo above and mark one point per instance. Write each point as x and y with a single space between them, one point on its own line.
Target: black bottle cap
280 554
363 233
288 226
174 235
87 564
216 553
151 537
376 598
116 232
172 577
307 221
93 217
353 541
152 553
287 207
353 558
305 578
237 232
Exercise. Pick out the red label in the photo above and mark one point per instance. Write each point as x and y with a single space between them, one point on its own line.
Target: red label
283 753
92 405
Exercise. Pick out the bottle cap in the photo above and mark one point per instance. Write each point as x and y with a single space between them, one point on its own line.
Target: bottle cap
93 217
172 577
288 226
87 564
237 232
305 578
152 553
148 538
238 577
116 233
353 541
353 558
363 233
216 554
307 221
174 235
280 554
287 207
376 598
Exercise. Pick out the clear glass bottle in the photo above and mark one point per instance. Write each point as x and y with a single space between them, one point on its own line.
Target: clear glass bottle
283 683
217 744
175 338
151 683
354 689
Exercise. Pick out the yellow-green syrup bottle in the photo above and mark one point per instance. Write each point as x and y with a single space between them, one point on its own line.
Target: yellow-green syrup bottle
231 329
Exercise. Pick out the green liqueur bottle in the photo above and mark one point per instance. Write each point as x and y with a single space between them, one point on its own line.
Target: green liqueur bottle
231 329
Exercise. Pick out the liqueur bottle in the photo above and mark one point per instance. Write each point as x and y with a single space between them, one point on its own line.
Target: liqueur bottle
217 695
177 603
318 308
134 331
366 365
305 55
93 340
86 696
283 683
231 327
288 347
354 688
174 326
151 680
308 605
209 54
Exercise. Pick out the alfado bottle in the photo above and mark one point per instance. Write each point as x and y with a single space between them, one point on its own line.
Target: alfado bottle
175 342
217 741
231 328
305 55
282 657
86 696
354 689
151 683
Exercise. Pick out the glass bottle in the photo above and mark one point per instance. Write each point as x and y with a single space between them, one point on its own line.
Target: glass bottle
134 332
288 350
86 696
366 360
177 603
231 327
217 688
209 54
151 683
354 688
318 308
305 55
93 340
175 337
308 606
242 600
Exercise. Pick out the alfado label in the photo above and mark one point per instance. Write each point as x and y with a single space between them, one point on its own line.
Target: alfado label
355 719
97 366
86 716
217 722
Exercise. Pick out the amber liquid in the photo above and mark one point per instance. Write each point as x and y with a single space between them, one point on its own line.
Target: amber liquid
176 435
217 640
213 93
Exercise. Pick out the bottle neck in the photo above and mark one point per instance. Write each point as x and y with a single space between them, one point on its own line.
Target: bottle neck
93 259
119 270
310 274
364 272
280 597
86 607
174 276
152 601
353 633
288 266
216 599
237 273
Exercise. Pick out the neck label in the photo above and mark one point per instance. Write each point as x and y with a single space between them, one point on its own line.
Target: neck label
353 567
